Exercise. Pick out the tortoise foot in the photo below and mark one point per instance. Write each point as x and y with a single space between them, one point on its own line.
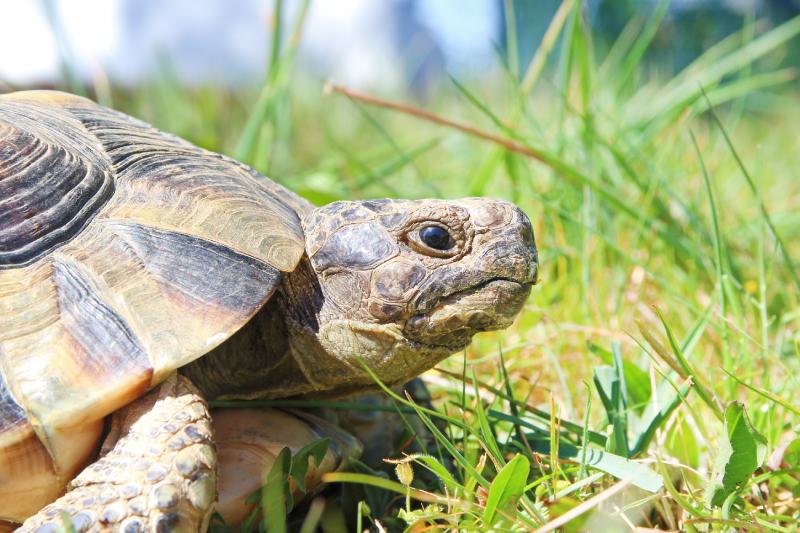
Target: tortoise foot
159 473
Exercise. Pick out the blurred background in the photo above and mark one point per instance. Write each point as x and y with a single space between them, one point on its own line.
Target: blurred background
201 69
394 44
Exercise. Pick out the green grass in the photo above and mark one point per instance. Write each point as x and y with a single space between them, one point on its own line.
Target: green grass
653 377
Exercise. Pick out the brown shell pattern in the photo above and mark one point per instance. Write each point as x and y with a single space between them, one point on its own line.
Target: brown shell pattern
125 253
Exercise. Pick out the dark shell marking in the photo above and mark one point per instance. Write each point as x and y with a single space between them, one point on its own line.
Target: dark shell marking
106 341
186 263
47 192
11 414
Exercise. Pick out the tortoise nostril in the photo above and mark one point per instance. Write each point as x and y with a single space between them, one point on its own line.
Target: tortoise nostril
523 225
526 230
533 271
526 233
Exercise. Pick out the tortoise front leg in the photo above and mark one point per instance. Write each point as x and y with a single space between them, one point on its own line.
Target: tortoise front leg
159 473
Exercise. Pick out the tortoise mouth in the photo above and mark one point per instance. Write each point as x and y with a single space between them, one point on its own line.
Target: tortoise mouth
452 320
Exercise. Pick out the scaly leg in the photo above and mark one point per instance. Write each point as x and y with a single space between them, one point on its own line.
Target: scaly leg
159 473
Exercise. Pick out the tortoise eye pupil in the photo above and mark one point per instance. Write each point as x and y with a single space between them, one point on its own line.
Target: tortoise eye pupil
436 237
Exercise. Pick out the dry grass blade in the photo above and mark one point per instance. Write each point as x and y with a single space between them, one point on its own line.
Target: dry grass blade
506 143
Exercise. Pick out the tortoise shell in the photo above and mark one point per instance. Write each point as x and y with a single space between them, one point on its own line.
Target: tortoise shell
125 253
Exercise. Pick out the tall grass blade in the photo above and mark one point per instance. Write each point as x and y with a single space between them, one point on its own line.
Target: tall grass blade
792 270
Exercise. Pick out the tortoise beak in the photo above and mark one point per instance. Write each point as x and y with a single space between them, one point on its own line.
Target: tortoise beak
456 318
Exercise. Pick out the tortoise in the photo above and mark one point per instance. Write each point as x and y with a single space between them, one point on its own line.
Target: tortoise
141 275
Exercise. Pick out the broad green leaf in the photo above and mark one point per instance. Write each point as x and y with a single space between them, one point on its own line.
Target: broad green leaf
636 379
610 388
741 451
275 495
441 472
619 467
299 468
507 487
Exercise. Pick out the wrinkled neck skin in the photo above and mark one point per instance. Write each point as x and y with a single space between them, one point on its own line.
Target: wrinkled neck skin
283 351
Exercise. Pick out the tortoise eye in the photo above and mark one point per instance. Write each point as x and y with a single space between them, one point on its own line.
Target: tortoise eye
436 237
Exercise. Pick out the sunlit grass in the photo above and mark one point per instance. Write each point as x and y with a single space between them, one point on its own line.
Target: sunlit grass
669 239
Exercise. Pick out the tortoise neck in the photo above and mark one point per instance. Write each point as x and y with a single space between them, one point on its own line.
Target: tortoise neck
260 360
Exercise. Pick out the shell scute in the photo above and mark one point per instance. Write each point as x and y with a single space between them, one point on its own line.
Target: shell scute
49 189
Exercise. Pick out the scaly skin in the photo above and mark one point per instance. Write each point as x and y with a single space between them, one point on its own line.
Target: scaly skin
158 466
159 476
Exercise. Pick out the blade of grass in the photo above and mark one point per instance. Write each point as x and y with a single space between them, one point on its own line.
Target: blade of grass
670 234
754 189
69 73
719 264
510 18
642 43
489 440
277 76
393 486
702 386
263 108
763 392
539 60
687 87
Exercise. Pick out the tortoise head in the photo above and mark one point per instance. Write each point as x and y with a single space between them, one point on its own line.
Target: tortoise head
407 283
